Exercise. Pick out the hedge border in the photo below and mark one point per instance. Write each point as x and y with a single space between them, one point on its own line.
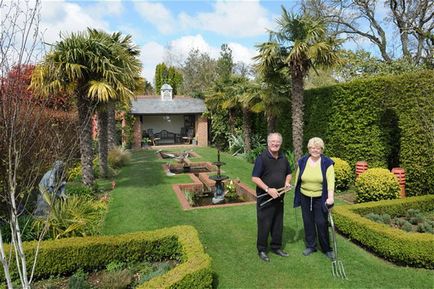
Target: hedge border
65 256
395 245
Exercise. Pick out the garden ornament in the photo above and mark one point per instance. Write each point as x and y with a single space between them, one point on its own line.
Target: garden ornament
51 187
338 269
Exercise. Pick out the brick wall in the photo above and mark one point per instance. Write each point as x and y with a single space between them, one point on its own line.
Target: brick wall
202 131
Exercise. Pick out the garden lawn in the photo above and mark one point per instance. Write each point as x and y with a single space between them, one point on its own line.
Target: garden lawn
144 200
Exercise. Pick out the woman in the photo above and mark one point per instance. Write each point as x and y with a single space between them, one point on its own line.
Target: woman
314 192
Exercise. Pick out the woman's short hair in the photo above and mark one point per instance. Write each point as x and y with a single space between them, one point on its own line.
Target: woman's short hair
315 142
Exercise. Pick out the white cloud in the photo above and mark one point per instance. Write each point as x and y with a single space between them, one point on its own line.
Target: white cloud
61 17
157 15
231 18
151 54
241 53
183 45
177 51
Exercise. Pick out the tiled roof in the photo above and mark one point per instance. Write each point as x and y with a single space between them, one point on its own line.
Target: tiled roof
178 105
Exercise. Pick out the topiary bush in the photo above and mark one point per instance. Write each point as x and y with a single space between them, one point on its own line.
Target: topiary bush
376 184
343 175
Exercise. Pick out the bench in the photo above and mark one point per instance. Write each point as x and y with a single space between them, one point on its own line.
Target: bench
165 137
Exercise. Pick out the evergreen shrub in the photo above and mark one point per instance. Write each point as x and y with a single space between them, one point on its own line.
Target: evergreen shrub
66 256
395 245
376 184
343 174
387 121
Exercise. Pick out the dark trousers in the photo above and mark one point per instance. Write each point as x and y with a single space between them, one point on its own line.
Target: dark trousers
315 221
270 221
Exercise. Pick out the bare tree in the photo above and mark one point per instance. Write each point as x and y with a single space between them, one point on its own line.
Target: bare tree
382 22
31 136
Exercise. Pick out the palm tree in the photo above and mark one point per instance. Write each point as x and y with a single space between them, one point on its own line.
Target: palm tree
273 83
306 45
96 68
124 57
237 92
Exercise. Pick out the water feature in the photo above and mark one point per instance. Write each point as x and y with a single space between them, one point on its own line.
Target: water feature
219 191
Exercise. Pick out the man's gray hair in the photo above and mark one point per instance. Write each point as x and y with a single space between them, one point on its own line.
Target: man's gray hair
274 133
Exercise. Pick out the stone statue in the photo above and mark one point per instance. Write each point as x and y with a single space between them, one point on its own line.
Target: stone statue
51 187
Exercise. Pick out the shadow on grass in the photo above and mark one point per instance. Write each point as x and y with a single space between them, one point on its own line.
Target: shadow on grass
292 234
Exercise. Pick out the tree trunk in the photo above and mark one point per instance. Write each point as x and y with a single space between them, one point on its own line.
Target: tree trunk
85 123
111 125
271 123
247 129
297 113
103 142
4 262
231 121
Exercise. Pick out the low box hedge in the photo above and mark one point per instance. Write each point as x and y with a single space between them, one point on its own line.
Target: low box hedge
65 256
395 245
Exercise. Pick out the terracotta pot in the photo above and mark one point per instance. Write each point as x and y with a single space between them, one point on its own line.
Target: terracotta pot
361 166
400 174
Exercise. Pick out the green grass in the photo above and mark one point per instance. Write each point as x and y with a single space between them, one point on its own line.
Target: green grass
144 200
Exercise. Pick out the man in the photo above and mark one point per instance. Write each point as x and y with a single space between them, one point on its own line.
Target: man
271 173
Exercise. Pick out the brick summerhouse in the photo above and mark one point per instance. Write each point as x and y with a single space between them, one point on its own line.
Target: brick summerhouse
169 120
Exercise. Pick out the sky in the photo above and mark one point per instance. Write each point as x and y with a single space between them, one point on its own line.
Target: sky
168 30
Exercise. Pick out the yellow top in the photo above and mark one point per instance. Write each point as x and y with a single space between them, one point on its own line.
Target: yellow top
311 180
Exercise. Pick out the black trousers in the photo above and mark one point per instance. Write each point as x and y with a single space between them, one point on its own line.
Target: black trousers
270 221
315 221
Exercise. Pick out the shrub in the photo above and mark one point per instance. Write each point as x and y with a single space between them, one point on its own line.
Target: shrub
407 226
76 216
116 280
386 218
374 217
376 184
425 227
74 173
391 243
253 154
118 157
78 281
78 189
177 243
28 233
343 174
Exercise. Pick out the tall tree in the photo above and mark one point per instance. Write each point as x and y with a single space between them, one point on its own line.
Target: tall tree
273 77
306 45
411 20
167 74
124 56
96 68
198 71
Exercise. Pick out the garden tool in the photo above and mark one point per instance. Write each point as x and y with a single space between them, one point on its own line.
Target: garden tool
338 269
281 191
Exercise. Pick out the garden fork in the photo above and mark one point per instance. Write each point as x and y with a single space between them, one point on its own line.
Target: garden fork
338 269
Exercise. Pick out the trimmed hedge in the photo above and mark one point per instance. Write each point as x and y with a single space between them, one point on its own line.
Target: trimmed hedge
65 256
377 184
387 121
395 245
343 174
